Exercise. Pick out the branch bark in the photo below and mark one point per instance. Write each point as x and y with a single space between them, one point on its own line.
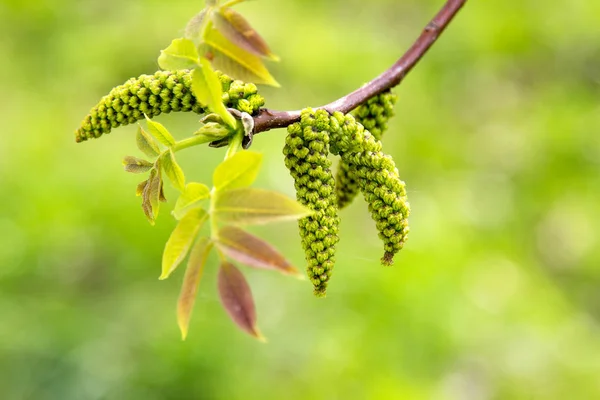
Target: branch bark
271 119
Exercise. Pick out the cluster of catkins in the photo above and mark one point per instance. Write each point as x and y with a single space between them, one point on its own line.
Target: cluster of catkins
354 137
363 166
163 92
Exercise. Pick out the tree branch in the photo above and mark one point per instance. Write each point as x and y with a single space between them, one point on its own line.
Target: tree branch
271 119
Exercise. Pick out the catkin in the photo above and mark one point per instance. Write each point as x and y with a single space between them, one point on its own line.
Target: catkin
377 178
306 150
163 92
374 116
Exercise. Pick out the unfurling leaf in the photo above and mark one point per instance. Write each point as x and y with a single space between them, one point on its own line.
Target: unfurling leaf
248 249
193 30
249 206
193 274
181 54
235 28
173 170
139 190
240 170
243 64
160 132
146 143
236 298
181 240
213 131
208 90
151 195
190 198
137 165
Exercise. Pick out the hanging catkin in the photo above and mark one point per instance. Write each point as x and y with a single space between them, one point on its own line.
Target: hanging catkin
163 92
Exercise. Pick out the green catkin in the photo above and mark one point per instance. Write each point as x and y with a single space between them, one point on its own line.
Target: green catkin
374 116
306 150
163 92
377 178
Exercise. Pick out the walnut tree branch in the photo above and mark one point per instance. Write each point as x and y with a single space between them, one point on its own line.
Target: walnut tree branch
271 119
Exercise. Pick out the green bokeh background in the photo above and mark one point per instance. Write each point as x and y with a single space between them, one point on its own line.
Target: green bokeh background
497 134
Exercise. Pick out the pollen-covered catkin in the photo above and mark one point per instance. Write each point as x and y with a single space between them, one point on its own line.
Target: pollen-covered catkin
374 116
163 92
306 150
378 179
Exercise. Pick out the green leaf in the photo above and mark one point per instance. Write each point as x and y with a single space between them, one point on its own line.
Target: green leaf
237 171
136 165
181 240
235 28
191 197
193 275
249 206
243 63
208 90
160 132
151 195
237 300
173 170
181 54
146 143
248 249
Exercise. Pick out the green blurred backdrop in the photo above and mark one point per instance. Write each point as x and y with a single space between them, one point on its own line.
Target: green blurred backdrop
496 295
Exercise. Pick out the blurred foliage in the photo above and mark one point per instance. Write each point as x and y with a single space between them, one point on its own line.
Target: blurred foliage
495 295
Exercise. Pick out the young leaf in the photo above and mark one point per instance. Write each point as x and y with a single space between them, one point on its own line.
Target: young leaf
136 165
146 143
252 251
235 28
237 171
160 132
151 195
190 198
236 298
181 240
193 274
139 190
181 54
193 29
249 206
213 131
239 57
208 90
173 170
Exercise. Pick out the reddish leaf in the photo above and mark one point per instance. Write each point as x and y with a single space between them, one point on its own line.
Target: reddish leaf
193 274
238 31
252 251
236 297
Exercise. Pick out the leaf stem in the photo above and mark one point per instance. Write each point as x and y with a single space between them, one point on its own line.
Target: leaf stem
190 142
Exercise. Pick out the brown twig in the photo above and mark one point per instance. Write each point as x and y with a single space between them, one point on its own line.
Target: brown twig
271 119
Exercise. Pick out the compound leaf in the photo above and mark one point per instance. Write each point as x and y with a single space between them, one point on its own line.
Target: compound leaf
136 165
160 132
249 206
235 28
237 171
181 54
181 240
248 249
146 143
191 280
236 298
208 90
190 198
173 170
